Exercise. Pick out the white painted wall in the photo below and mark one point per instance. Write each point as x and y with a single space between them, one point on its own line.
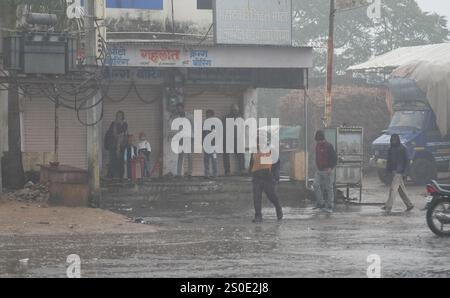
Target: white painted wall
186 10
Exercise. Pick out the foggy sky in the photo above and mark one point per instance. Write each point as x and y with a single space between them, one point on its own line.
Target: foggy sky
442 7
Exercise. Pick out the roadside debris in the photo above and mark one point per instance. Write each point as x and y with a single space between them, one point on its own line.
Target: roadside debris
140 220
31 193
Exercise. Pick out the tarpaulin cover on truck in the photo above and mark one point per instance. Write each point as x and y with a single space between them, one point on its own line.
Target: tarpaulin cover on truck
434 80
428 66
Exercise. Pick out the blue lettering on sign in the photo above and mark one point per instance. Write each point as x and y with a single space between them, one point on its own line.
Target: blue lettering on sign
117 57
134 4
200 58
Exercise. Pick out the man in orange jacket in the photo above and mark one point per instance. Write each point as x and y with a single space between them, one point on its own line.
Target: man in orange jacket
263 181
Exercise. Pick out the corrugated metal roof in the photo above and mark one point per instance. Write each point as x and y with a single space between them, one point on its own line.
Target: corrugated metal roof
435 53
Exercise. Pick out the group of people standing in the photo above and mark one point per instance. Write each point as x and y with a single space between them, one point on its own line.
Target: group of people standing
123 150
210 160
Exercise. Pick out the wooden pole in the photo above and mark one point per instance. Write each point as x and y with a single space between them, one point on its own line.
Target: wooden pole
329 84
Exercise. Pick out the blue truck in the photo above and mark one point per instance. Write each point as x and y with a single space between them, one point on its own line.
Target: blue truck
415 121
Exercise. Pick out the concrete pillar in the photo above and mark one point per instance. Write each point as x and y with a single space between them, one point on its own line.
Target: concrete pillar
96 10
94 152
250 110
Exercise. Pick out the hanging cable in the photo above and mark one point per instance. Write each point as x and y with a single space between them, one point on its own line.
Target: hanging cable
144 100
206 35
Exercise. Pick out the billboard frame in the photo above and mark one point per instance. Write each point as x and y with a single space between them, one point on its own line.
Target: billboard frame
214 8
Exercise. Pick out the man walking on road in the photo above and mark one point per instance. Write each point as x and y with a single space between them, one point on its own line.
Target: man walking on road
263 181
326 161
397 164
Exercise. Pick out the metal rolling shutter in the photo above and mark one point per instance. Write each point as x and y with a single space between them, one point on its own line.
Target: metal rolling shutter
205 98
39 126
140 116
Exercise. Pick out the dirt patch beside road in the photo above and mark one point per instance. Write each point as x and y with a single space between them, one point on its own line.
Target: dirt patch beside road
18 218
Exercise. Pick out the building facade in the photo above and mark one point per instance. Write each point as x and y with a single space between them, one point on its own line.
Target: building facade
145 72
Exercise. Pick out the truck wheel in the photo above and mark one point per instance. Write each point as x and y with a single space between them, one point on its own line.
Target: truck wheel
385 177
423 171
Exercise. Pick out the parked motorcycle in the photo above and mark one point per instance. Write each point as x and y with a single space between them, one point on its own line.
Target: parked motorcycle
438 208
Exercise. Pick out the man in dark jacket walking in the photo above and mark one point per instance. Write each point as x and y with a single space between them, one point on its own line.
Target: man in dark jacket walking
397 164
326 161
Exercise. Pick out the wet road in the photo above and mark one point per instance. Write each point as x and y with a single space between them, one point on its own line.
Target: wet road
215 238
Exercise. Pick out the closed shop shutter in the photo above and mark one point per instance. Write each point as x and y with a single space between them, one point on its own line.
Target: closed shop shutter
142 115
206 98
39 132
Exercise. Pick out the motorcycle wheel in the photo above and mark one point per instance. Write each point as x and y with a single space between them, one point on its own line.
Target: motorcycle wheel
436 226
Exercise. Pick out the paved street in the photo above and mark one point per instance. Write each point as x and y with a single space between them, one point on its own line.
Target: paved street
215 238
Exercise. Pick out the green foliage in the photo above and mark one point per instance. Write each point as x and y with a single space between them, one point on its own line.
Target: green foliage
357 37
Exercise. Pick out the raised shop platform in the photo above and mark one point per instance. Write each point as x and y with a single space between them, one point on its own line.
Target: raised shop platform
222 188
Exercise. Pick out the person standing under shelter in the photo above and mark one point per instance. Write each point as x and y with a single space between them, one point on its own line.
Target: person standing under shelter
397 164
129 154
180 112
115 142
234 114
144 149
326 161
210 158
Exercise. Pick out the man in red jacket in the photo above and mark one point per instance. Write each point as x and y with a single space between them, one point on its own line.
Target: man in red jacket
326 161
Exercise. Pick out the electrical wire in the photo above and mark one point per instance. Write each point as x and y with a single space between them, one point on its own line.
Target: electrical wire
75 96
144 100
94 105
127 93
206 35
71 96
